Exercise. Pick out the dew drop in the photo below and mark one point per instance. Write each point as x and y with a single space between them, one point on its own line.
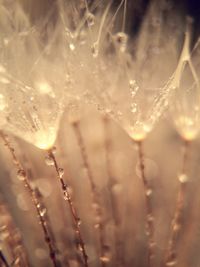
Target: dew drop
132 84
133 87
133 107
148 192
16 261
80 248
71 47
38 205
61 172
95 50
121 39
96 226
150 218
171 263
49 161
53 150
43 211
79 221
104 259
90 19
116 188
66 196
183 178
95 206
176 227
21 175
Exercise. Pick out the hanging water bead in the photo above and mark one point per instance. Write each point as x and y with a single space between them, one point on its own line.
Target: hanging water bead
104 259
121 40
90 18
21 175
71 46
61 172
149 192
43 211
53 150
133 88
49 161
116 188
95 49
183 178
133 107
171 263
79 221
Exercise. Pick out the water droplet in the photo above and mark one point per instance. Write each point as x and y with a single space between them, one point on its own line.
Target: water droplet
116 188
121 39
80 248
132 84
16 261
38 205
183 178
49 161
53 150
98 220
90 19
21 175
61 172
176 227
71 46
150 218
104 259
5 41
43 211
66 196
97 225
43 87
133 107
171 263
95 206
133 88
79 221
95 49
148 192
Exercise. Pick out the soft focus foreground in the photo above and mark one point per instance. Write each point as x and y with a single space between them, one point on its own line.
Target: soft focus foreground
99 119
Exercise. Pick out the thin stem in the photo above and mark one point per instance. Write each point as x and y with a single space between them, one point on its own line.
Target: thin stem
95 194
10 231
177 222
111 183
74 214
124 16
38 206
149 210
3 259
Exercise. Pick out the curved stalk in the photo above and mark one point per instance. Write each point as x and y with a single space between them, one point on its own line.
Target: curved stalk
33 195
73 211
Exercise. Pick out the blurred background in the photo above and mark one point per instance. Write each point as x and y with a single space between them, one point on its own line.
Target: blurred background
113 162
